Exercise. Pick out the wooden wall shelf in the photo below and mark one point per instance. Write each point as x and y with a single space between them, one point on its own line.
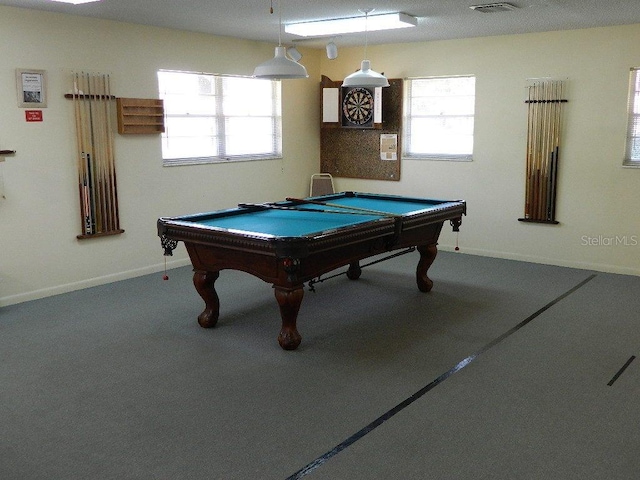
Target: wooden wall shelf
140 115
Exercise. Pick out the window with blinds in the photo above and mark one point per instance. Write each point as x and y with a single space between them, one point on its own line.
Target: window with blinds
632 152
439 118
219 118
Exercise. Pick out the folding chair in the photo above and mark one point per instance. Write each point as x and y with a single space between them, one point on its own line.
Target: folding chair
321 184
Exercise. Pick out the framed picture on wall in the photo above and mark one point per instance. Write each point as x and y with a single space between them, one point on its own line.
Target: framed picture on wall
32 88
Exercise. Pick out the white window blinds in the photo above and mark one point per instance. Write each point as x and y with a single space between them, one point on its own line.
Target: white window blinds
439 118
214 118
632 152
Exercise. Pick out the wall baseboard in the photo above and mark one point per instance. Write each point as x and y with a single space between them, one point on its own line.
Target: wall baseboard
598 267
91 282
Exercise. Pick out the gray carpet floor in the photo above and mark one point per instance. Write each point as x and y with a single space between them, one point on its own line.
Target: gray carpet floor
505 370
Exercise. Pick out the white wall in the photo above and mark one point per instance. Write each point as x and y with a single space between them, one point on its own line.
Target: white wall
39 219
598 199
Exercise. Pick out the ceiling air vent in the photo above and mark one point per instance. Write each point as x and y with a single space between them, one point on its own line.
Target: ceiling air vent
493 7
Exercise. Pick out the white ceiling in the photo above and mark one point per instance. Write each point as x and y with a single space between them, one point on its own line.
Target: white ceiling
438 19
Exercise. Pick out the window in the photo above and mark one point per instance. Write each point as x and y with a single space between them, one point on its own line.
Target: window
438 118
632 153
216 118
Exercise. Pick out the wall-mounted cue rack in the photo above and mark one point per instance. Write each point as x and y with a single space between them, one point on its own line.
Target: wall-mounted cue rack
97 185
544 104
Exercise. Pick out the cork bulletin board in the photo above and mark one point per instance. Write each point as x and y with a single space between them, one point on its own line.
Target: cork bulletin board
370 153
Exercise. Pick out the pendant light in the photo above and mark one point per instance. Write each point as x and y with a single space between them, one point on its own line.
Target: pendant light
280 67
365 77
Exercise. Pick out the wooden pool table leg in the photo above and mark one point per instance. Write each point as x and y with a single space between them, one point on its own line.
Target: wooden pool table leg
427 256
289 302
204 283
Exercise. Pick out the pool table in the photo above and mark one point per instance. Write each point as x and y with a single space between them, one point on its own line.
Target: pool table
290 242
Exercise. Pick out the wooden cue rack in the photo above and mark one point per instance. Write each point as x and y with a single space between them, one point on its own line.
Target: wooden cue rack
544 121
97 183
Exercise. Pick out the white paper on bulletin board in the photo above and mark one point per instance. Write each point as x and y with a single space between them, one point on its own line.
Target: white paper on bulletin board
377 105
330 105
389 146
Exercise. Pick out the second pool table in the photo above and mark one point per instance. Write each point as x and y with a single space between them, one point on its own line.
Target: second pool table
294 241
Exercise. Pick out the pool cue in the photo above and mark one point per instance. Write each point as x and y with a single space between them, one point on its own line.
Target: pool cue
533 117
79 147
103 156
552 145
108 154
83 161
111 163
534 150
335 205
272 206
97 152
91 154
556 141
551 154
527 183
102 126
87 152
100 132
547 151
543 150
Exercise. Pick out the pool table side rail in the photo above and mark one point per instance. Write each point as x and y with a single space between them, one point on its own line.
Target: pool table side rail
382 196
270 244
444 211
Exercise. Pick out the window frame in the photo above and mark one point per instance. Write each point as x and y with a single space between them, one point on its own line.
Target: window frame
633 120
219 118
407 119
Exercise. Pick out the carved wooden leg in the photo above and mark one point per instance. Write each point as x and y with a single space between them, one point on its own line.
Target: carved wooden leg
427 256
354 271
289 302
204 283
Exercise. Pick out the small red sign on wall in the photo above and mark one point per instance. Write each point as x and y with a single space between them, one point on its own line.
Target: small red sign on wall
33 115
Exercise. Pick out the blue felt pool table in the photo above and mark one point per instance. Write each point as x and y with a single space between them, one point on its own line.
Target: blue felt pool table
291 242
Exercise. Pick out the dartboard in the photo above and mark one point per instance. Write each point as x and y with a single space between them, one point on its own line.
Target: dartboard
357 106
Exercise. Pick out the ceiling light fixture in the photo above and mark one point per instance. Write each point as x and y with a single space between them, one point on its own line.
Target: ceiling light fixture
332 50
294 53
365 77
336 26
280 67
